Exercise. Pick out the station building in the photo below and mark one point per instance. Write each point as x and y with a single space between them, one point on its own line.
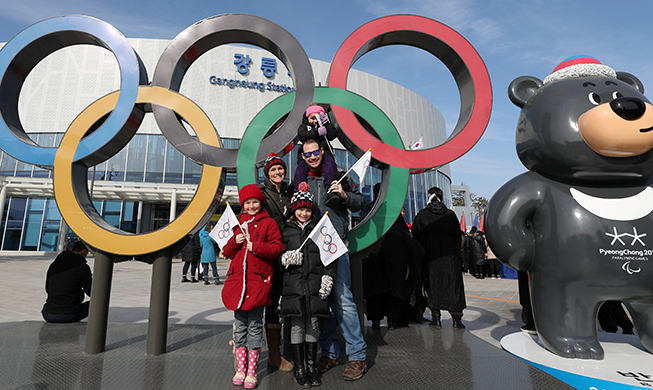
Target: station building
149 182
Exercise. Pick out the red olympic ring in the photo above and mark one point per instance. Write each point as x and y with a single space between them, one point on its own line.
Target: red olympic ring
222 234
454 51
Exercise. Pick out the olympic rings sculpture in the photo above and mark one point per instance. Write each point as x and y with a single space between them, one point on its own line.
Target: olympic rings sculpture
117 116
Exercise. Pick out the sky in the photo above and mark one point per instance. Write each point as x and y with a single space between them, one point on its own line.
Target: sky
513 37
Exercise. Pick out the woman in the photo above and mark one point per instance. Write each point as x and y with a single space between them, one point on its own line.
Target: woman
277 195
477 252
208 254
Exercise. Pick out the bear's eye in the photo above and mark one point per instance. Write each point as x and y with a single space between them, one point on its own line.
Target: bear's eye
616 95
594 98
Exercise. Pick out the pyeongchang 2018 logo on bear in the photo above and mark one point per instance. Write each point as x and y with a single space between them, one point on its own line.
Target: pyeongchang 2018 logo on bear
635 249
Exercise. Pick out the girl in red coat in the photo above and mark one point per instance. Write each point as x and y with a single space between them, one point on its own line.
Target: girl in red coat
249 279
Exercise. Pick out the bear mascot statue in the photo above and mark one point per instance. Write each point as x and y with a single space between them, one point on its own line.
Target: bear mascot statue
579 221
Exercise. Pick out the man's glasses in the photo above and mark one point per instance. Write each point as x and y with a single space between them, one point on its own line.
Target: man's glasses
313 153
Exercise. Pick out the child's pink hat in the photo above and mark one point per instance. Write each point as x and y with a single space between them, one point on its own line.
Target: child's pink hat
313 109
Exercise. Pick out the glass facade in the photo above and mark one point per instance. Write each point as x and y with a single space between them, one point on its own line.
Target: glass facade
33 224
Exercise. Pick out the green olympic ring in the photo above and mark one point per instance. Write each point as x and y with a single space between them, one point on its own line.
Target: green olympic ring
375 225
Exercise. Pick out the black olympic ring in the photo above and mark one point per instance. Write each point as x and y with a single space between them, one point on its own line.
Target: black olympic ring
223 29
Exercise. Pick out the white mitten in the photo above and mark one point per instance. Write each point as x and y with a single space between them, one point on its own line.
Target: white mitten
325 287
291 258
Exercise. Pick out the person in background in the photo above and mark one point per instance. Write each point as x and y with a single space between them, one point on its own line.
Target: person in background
191 255
477 252
67 280
208 254
438 230
525 302
612 315
494 268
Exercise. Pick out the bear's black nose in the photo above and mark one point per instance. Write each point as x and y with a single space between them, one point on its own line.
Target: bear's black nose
629 108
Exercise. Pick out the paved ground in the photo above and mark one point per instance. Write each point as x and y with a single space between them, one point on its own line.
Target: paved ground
493 308
38 355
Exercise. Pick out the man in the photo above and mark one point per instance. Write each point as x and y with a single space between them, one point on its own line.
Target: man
68 278
341 299
437 229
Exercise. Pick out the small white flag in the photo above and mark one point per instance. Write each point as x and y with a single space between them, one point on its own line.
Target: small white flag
328 241
361 166
416 145
224 229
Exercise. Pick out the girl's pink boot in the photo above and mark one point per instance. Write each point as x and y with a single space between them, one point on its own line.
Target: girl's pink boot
241 359
251 381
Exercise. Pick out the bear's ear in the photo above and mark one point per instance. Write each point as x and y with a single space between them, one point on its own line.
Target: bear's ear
631 80
522 88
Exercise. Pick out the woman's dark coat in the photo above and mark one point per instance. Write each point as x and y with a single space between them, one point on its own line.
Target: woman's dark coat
477 248
301 284
438 230
192 252
277 204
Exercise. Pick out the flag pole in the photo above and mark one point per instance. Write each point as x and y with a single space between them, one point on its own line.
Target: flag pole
239 225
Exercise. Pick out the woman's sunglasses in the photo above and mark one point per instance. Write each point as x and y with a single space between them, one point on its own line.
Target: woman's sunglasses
313 153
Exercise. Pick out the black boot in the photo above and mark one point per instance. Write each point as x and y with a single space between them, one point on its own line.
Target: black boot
311 359
457 322
299 362
184 279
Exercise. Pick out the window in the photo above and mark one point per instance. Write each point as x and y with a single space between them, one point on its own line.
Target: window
51 224
137 151
174 164
14 227
33 220
156 158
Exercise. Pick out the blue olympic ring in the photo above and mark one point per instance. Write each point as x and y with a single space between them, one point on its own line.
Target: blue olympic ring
17 60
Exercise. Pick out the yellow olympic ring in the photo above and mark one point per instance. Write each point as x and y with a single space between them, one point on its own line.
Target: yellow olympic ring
98 233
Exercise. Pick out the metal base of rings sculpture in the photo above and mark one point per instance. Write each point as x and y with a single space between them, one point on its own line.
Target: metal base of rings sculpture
107 125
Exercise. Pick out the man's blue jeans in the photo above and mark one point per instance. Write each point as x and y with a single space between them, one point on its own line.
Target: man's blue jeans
341 301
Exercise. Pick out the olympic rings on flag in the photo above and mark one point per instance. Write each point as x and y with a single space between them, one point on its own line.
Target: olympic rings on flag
395 181
454 51
72 197
212 32
23 52
327 241
225 231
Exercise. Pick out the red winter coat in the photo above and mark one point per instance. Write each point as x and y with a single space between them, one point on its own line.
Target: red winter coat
249 278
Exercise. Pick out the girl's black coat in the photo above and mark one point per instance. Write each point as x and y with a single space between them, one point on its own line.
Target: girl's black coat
301 283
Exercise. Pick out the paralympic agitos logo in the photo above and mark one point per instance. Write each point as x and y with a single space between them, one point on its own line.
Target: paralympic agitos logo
117 116
636 252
